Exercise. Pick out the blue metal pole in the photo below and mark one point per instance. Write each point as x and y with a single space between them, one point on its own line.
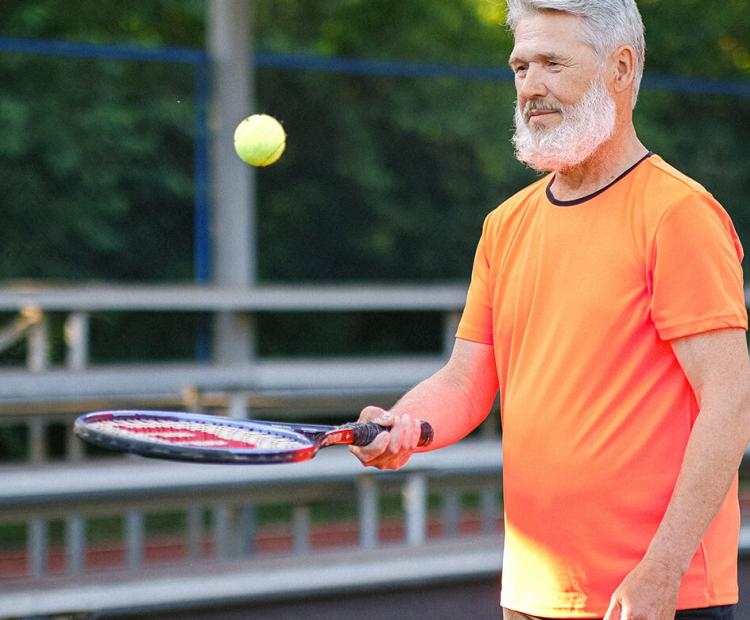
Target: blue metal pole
202 200
202 223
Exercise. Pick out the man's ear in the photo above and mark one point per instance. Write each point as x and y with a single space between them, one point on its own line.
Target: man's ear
623 65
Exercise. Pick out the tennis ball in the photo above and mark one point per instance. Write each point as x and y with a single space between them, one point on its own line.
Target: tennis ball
259 140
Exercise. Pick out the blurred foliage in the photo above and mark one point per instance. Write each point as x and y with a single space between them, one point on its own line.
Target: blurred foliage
147 22
95 166
385 178
393 185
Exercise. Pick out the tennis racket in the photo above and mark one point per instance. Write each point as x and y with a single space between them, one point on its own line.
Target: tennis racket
214 439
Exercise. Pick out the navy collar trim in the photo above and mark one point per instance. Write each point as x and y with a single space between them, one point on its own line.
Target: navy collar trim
577 201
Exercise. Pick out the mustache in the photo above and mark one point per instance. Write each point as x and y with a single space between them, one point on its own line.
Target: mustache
536 104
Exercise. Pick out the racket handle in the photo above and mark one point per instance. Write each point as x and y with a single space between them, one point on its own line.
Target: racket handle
364 434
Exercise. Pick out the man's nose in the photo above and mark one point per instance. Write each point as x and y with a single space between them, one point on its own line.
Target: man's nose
531 85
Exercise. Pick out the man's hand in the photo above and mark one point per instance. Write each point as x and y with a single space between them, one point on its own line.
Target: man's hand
649 592
391 449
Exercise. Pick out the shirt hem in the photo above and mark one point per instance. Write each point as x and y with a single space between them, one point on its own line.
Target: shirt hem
728 598
591 610
680 330
584 610
473 335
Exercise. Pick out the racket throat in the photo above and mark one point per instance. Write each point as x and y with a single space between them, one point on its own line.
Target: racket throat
344 435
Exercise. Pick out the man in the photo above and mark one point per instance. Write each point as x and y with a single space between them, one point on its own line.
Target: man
607 305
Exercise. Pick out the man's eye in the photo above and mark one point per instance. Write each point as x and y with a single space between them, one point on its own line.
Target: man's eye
520 69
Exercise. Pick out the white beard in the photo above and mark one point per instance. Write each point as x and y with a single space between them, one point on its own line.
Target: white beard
585 126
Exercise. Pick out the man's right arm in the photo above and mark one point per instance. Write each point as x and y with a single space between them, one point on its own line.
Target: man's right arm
455 400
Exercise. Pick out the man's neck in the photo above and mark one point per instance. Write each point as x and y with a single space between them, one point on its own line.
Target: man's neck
607 163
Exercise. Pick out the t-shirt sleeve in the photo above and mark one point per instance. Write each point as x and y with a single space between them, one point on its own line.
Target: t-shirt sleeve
697 283
476 320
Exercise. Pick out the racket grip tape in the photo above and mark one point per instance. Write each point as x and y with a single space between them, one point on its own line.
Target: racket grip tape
364 434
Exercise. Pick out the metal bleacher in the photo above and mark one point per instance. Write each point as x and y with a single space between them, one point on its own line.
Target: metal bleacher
223 562
42 390
56 503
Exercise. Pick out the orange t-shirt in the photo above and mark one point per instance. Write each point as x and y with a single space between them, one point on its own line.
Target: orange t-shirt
580 300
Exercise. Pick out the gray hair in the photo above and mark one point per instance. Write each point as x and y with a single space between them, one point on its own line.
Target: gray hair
607 25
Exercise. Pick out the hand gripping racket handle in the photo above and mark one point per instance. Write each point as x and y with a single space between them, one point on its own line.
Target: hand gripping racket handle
364 434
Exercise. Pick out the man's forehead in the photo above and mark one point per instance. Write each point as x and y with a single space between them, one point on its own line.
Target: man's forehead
550 33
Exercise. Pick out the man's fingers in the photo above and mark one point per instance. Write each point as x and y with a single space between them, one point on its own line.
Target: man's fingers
613 613
398 433
416 426
377 415
371 453
389 450
407 433
373 450
411 432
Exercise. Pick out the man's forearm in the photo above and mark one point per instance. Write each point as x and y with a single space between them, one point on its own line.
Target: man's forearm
457 398
712 457
454 401
452 405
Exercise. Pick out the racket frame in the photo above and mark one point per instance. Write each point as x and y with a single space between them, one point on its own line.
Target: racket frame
83 428
311 437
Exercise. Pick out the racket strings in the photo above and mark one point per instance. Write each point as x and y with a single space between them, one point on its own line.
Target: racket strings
196 434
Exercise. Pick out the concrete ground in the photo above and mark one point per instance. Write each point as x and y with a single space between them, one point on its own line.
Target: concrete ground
475 601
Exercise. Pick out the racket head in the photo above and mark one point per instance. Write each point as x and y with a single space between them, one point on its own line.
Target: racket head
194 437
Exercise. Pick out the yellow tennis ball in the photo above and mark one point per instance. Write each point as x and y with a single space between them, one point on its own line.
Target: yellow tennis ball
259 140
